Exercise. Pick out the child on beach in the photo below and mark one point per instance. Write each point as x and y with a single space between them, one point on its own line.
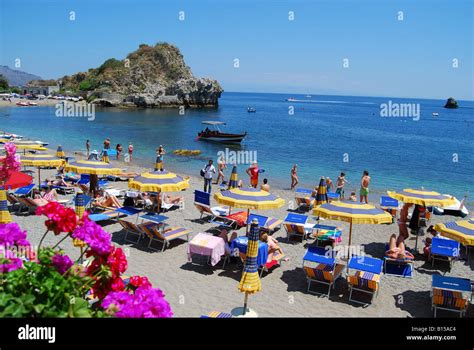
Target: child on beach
294 177
329 184
353 197
265 186
340 183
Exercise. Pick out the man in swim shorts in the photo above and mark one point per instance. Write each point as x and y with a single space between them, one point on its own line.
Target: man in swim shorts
364 187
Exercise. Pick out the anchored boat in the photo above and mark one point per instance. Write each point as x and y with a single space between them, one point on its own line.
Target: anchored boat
214 134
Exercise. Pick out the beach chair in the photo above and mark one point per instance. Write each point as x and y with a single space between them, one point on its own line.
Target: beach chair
114 214
450 294
165 236
366 278
326 271
304 199
28 203
265 223
24 191
296 225
202 201
390 205
326 234
134 229
444 249
398 267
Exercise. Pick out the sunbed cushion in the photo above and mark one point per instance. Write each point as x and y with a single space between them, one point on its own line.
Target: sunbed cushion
449 298
366 280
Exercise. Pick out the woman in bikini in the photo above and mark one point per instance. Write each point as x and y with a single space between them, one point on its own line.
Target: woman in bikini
273 247
396 249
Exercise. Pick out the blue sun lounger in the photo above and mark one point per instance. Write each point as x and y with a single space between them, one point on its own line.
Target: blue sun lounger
24 191
265 223
114 214
326 271
390 205
304 199
444 249
366 278
450 294
296 225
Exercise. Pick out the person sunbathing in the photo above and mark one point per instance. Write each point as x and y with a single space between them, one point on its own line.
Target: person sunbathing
50 195
396 249
58 182
273 246
38 198
107 201
225 236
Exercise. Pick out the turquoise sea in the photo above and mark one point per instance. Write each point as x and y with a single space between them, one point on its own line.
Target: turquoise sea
324 135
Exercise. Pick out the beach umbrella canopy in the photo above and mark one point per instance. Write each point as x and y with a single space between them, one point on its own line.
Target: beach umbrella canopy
158 181
422 197
60 153
27 144
249 198
233 182
461 231
92 167
17 180
250 280
39 160
352 212
322 193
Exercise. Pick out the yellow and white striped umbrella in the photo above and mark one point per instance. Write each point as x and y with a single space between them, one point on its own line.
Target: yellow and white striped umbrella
158 181
422 197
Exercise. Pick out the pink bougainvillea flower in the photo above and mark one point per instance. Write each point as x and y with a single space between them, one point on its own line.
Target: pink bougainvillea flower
60 219
99 241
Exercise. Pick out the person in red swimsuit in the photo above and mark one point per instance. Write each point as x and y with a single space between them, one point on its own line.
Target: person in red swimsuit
252 171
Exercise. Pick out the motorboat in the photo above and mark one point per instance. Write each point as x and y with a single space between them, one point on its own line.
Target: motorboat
457 209
251 110
23 104
214 134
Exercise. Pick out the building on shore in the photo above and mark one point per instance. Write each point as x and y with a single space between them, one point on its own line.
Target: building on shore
40 90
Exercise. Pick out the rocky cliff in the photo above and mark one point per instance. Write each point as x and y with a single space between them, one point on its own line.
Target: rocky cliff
152 76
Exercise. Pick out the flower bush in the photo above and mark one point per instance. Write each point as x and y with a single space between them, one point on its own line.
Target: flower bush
50 284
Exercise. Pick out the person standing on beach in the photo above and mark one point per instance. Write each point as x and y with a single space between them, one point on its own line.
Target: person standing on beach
364 187
252 171
208 172
88 148
107 143
340 183
160 152
130 151
329 184
294 177
221 165
119 150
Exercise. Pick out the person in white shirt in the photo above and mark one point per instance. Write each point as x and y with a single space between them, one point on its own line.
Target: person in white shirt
209 171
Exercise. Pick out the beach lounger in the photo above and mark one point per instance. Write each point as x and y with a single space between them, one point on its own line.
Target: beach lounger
304 199
134 229
390 205
265 223
296 225
444 249
165 236
326 234
24 191
450 294
114 214
366 278
28 203
202 201
326 271
398 267
168 206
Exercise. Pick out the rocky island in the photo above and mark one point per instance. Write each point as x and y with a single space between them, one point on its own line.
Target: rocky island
151 76
451 103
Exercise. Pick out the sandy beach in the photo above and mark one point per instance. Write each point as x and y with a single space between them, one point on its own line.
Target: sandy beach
196 289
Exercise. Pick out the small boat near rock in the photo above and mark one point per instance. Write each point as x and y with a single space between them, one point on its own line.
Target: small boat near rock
214 134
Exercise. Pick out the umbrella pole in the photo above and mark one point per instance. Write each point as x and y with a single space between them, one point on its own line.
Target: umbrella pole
247 227
39 177
245 303
349 253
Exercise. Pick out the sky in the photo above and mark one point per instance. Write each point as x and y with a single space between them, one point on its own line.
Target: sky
412 57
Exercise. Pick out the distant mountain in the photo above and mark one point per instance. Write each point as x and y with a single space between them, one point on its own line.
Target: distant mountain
17 77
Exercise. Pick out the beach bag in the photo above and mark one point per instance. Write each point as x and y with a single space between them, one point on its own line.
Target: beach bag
202 172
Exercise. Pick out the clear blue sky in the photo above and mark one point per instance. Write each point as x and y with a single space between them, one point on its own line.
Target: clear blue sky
387 57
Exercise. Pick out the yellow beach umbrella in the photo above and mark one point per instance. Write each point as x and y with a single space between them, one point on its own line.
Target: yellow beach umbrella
352 212
461 231
422 197
92 167
249 198
39 160
158 181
